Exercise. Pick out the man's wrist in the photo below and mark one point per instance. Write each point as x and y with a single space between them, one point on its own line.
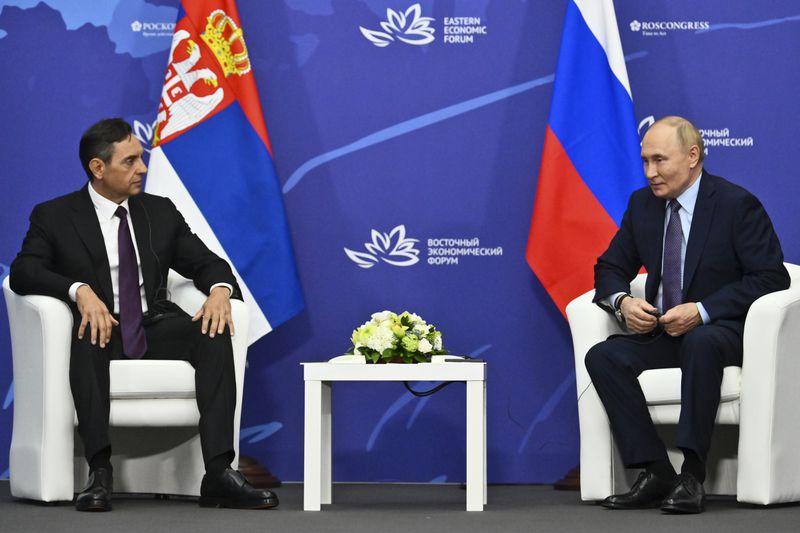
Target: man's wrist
619 299
73 290
223 285
618 307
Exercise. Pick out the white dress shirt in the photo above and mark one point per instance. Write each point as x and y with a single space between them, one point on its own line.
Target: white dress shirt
105 210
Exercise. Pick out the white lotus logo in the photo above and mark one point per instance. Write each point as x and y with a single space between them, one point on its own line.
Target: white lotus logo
409 27
645 124
393 248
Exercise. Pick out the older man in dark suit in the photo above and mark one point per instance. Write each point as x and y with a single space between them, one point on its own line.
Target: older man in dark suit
106 250
710 251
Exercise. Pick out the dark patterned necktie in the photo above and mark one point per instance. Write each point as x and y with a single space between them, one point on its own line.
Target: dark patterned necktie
134 344
671 278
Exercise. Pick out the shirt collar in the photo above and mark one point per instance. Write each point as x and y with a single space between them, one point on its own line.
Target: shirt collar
105 208
689 197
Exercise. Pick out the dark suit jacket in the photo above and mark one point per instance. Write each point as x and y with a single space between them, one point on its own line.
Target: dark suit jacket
64 245
732 255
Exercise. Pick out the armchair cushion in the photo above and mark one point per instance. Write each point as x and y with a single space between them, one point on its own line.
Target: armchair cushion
663 386
151 379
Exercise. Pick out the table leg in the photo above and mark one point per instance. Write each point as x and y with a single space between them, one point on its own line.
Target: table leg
312 460
327 473
476 445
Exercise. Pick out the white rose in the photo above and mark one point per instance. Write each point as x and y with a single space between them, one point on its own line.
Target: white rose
424 346
382 316
415 318
422 329
437 342
381 339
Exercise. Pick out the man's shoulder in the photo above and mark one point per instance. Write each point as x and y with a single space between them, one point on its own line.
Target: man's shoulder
727 190
151 199
154 202
61 202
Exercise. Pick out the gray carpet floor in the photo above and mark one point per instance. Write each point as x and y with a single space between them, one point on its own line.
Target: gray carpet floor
393 508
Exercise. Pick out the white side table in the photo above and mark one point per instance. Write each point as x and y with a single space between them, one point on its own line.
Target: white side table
317 455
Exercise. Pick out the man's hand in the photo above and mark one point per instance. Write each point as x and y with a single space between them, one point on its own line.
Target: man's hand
637 315
216 312
94 313
681 318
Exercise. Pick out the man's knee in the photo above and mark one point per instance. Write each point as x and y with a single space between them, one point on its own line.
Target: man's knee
700 337
704 348
218 350
598 358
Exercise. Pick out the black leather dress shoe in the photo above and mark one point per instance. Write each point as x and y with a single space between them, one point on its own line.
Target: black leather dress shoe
232 490
96 496
686 497
646 493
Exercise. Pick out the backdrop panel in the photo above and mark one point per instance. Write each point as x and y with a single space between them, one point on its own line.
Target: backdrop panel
434 140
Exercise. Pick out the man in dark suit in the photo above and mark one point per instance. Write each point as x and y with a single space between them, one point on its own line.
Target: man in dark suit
710 251
106 250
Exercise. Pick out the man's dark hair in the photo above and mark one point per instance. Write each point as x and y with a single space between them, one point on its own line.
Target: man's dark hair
98 141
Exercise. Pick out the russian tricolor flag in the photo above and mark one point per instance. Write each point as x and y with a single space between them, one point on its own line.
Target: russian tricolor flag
591 157
212 157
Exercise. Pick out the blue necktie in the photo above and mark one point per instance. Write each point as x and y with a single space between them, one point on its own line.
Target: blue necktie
134 343
671 278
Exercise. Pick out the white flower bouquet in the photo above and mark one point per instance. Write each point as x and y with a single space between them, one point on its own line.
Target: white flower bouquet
392 338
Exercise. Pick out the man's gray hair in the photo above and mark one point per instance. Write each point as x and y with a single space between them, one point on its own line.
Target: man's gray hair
688 134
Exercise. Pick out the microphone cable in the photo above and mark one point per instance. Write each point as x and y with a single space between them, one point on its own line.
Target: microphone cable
434 390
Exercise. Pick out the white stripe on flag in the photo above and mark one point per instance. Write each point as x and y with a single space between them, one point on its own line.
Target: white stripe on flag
166 182
602 20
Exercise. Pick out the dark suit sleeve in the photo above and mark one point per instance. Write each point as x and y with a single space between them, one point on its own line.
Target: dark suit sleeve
760 259
192 259
33 270
620 263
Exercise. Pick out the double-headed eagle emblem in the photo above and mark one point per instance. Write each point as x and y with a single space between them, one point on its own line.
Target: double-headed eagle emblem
183 103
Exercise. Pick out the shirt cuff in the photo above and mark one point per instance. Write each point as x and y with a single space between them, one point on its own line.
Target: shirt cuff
703 313
226 285
609 301
73 290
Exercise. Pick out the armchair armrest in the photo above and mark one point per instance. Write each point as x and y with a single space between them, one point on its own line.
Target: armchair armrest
42 437
769 426
589 324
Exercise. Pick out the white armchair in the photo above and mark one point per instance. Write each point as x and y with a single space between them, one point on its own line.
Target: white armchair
758 461
154 414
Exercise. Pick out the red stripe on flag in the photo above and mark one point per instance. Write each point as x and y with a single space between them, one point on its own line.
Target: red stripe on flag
569 227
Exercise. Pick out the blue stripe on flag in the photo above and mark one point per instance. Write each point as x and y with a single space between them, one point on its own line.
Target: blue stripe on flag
592 115
229 174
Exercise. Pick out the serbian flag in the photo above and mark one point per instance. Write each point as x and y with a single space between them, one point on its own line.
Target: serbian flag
211 155
591 156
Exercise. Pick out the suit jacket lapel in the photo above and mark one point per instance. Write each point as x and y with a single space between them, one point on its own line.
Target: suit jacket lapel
88 229
143 230
701 224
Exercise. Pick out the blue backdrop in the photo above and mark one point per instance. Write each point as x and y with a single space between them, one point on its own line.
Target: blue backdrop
441 137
